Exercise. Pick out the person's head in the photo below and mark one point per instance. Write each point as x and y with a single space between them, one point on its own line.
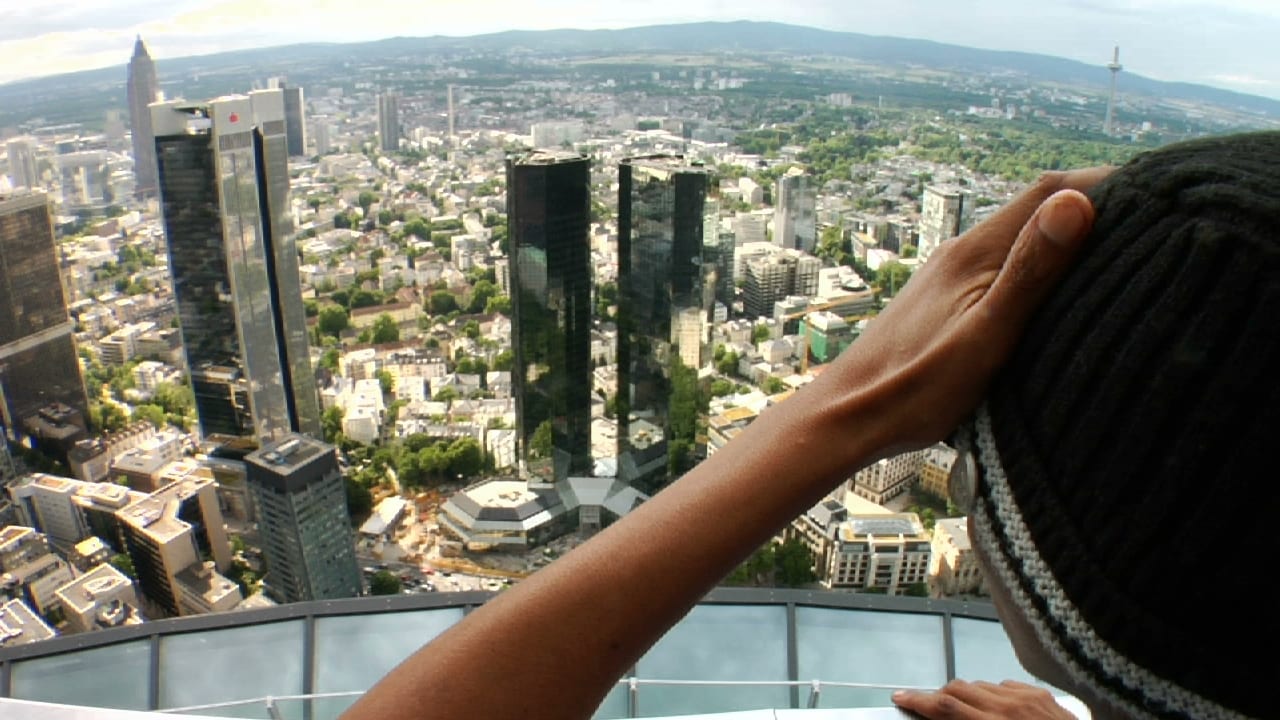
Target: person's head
1125 485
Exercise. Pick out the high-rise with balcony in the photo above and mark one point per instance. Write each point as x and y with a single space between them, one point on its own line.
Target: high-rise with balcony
40 381
224 188
549 218
307 540
795 212
389 122
142 88
664 301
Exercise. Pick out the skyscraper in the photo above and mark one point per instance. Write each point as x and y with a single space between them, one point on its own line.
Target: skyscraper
22 164
388 122
663 306
795 212
142 89
946 211
295 121
224 186
40 381
549 217
302 502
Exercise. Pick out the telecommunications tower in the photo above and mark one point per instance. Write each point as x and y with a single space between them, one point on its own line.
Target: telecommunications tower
1115 67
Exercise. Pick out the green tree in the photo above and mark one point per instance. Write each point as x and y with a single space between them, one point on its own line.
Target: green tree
541 443
124 564
794 563
465 458
385 329
498 304
445 394
891 276
333 320
773 385
365 298
760 333
384 583
481 293
152 413
331 424
359 500
728 364
386 381
442 302
366 200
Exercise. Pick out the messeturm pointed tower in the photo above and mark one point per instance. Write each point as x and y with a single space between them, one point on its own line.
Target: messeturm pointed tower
142 88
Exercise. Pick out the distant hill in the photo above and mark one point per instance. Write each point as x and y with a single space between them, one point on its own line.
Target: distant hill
685 38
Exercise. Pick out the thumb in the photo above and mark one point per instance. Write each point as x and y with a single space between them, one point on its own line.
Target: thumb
1040 257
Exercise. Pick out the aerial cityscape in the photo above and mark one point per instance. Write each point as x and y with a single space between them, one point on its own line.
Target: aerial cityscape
418 316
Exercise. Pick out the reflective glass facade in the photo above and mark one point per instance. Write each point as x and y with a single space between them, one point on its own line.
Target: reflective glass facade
548 220
38 362
224 187
740 649
662 311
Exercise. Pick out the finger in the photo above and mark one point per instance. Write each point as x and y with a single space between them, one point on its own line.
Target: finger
935 705
1003 227
1040 256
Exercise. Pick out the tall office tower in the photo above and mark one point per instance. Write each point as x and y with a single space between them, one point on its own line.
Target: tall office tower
388 122
302 515
795 215
23 172
718 248
663 306
295 120
42 395
168 534
549 218
142 89
946 212
323 134
224 186
452 118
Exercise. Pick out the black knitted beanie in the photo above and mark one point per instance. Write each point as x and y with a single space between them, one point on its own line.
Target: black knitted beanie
1127 487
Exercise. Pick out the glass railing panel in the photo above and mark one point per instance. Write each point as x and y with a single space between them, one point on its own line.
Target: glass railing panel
112 676
983 652
718 642
884 649
238 663
352 652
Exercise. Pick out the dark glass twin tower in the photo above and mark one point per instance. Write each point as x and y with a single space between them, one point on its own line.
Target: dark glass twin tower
224 185
665 296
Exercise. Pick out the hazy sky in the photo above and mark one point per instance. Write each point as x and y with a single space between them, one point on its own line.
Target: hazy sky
1227 43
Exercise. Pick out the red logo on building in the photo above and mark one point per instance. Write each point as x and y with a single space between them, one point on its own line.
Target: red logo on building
234 117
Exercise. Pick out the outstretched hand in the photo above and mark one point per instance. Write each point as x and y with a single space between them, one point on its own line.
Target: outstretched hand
935 347
960 700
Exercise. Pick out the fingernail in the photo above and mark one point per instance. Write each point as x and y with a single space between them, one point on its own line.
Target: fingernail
899 695
1061 220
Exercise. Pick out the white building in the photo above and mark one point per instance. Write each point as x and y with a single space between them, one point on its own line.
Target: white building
947 211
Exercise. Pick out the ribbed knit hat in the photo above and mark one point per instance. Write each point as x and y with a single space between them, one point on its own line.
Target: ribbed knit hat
1127 490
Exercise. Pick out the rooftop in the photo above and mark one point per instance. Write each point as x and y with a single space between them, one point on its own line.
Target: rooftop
19 625
286 455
